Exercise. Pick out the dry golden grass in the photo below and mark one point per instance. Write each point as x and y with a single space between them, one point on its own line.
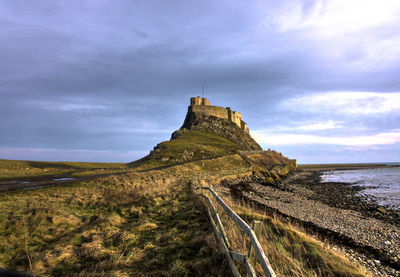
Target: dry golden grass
145 224
268 159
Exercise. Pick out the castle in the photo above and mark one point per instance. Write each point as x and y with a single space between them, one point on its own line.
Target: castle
200 105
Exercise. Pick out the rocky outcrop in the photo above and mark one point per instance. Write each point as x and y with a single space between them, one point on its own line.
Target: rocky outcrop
224 128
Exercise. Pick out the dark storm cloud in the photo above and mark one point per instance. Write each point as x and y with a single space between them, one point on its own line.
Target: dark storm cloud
96 75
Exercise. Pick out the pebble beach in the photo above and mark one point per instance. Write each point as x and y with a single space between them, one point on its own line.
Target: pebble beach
364 231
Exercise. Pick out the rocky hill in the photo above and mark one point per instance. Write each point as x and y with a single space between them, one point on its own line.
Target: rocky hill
207 132
219 126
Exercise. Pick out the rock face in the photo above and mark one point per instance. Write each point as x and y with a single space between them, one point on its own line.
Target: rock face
205 119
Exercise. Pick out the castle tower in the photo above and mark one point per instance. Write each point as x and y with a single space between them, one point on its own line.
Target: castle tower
205 102
199 101
195 101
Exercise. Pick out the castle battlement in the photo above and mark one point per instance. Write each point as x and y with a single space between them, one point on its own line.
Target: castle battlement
202 105
199 101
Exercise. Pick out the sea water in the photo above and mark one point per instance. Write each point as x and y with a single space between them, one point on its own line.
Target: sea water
381 185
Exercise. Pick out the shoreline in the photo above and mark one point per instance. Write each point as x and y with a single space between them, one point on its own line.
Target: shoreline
346 195
327 167
364 231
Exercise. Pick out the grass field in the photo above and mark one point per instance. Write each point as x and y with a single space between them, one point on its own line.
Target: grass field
142 223
148 223
13 169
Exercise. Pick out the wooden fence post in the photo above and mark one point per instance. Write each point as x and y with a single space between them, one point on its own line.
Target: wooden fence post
255 246
257 228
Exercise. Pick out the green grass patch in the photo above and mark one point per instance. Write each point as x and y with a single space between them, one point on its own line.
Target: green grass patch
189 146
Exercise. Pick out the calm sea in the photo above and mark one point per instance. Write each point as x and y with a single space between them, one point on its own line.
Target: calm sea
382 185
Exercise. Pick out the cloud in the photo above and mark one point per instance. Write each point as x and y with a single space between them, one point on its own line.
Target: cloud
312 126
276 139
339 16
118 76
364 103
72 107
332 17
330 124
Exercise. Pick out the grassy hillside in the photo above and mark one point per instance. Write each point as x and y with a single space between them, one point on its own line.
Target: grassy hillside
268 159
189 146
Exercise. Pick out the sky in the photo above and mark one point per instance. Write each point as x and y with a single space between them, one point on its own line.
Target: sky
108 80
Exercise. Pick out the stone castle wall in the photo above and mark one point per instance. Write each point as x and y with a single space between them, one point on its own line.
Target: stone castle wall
210 111
235 117
202 106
